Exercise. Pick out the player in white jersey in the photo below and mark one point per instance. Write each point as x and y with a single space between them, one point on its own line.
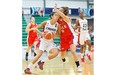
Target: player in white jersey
48 45
83 33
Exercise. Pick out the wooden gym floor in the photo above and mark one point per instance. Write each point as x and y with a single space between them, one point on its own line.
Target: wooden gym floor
57 67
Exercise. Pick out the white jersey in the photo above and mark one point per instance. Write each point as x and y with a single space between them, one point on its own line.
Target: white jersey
51 28
83 25
48 44
84 35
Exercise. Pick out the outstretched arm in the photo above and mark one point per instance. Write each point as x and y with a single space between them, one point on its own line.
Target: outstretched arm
65 18
40 26
77 26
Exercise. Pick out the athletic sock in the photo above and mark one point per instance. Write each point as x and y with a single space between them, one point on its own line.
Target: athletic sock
82 54
63 59
77 63
26 53
30 65
35 54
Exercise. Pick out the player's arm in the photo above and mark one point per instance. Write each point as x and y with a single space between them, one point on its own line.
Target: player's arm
28 28
73 26
65 18
77 26
40 26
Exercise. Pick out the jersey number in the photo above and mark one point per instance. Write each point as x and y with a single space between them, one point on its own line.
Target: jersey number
84 26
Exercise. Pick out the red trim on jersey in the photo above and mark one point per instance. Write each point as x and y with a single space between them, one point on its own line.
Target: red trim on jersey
78 26
79 39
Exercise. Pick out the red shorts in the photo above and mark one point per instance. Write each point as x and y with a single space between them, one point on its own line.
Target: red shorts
65 44
31 40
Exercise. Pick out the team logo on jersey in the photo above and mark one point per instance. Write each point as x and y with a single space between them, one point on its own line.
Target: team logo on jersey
51 29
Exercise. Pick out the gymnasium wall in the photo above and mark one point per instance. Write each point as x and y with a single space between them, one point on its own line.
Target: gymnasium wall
50 3
72 4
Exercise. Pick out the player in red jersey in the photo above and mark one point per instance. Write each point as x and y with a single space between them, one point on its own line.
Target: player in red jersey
68 38
32 36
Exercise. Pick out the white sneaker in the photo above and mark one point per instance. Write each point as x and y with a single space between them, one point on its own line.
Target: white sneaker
79 69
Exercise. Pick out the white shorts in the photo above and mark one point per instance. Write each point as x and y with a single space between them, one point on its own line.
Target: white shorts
83 37
46 45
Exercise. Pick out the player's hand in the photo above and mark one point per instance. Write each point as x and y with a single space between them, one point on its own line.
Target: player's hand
55 7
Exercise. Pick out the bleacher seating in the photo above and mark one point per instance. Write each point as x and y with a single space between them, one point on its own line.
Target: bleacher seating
24 34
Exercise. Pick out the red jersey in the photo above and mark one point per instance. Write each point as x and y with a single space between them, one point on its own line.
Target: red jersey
32 37
65 30
66 37
32 33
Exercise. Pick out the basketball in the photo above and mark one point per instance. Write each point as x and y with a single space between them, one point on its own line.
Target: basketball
48 35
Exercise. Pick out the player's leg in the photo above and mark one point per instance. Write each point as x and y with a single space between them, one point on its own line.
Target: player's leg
73 48
30 42
73 51
75 56
89 49
63 47
36 46
88 42
53 52
27 52
63 55
34 60
82 43
82 54
39 53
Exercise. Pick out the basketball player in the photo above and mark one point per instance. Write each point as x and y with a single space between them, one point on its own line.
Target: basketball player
68 38
84 38
48 45
32 37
